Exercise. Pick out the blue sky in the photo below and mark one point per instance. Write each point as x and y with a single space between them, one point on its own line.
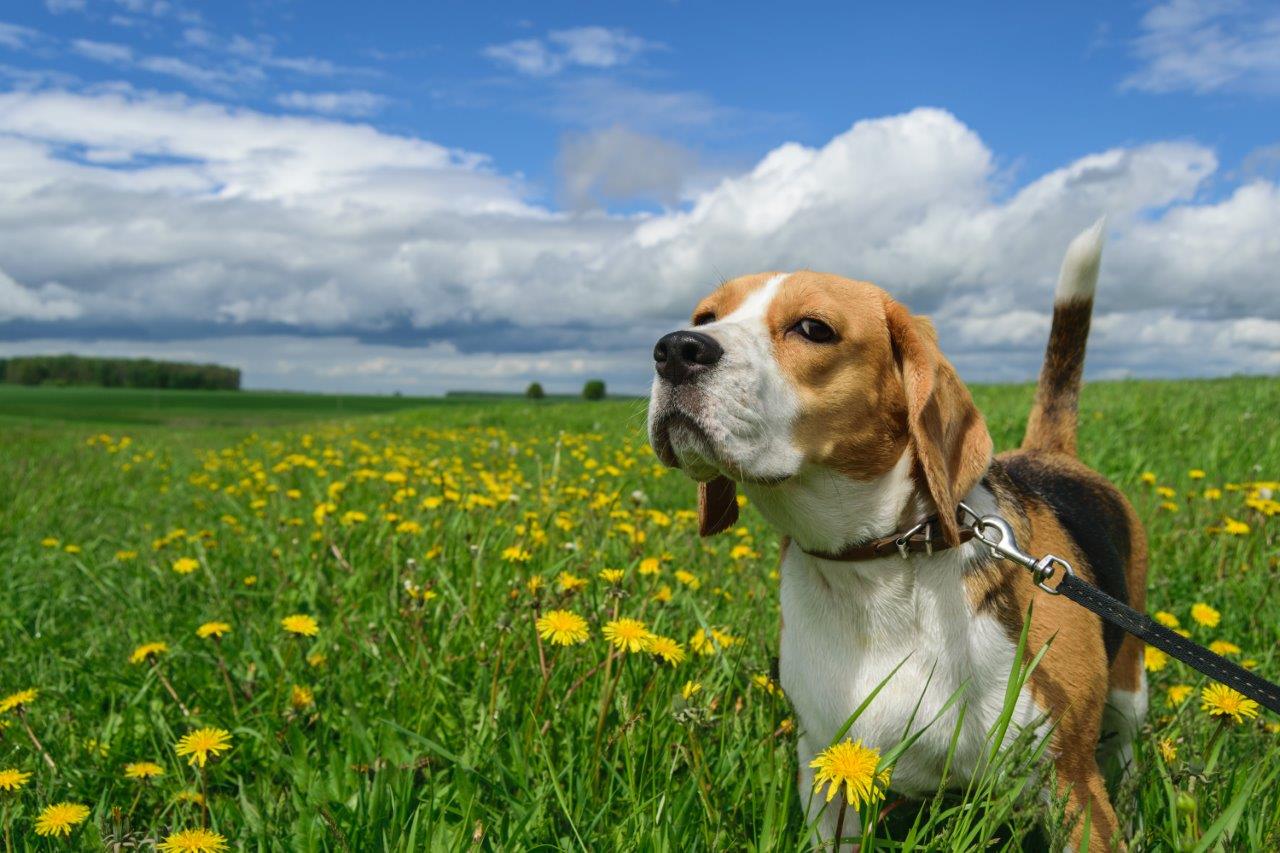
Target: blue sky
424 196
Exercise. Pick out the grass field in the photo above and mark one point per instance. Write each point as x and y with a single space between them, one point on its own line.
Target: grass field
425 712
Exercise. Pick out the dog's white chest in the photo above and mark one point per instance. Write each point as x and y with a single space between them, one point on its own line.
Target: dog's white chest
847 625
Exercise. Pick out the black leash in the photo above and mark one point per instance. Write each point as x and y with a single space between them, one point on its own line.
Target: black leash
1123 616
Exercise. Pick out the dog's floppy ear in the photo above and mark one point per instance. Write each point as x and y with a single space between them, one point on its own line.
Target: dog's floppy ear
717 506
950 439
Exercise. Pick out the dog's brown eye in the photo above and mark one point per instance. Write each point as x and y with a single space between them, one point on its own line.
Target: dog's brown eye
815 330
704 318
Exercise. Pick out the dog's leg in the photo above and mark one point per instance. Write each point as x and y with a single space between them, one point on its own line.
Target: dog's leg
1125 710
1087 792
824 819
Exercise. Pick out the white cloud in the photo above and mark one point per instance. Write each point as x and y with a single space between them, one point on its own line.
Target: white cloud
103 51
1207 46
15 36
604 102
180 214
351 103
57 7
619 164
50 302
262 52
587 47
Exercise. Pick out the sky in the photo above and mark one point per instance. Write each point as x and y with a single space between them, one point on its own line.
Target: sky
414 197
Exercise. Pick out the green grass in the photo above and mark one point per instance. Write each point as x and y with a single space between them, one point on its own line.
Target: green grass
441 723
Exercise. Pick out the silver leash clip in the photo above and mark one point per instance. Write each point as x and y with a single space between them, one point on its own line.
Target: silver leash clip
1004 545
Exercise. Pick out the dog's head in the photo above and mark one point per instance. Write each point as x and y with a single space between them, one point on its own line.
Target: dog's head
782 373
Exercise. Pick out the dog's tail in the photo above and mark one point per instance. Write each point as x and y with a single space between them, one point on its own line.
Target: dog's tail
1052 425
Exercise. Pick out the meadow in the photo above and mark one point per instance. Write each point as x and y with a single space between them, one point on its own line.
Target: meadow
387 624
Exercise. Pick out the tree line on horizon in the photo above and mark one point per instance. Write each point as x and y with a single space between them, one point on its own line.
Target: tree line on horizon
593 390
117 373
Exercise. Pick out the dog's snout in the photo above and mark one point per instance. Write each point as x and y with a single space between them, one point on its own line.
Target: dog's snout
681 355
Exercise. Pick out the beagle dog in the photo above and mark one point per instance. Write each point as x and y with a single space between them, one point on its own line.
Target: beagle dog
830 405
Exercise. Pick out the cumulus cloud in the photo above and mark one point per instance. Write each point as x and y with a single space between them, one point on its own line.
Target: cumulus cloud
586 47
50 302
1208 46
163 213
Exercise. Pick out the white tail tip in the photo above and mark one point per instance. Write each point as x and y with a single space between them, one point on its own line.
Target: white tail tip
1079 276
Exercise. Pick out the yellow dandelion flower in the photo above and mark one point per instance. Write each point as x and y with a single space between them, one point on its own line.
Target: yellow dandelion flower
1218 700
650 566
516 554
1167 619
50 542
148 650
1176 694
72 549
1212 494
568 582
15 700
1169 506
710 641
125 556
629 635
690 689
213 629
613 576
199 840
1224 647
662 594
1168 750
1148 477
787 726
1196 474
1154 659
202 743
1231 527
301 697
300 625
143 770
13 779
562 627
689 579
765 683
185 565
1165 492
189 796
61 818
666 648
250 580
854 766
1205 615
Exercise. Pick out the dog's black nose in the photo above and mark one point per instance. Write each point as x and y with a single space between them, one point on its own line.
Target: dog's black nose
681 355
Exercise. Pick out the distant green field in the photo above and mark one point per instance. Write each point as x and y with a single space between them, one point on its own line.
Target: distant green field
425 712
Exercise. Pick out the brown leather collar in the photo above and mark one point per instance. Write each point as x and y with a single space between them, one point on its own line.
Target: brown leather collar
924 537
